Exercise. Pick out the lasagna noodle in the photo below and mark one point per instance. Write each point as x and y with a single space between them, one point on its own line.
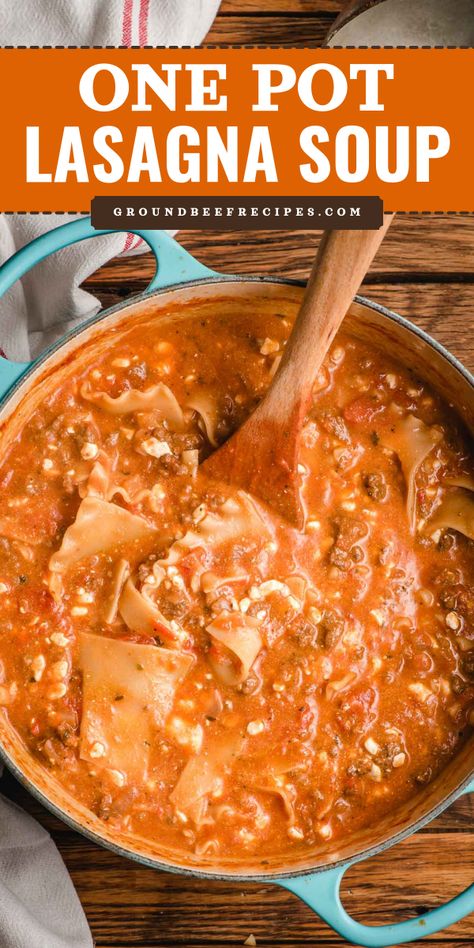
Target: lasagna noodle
206 408
239 518
140 614
98 527
412 441
455 512
158 398
121 572
204 773
128 692
240 636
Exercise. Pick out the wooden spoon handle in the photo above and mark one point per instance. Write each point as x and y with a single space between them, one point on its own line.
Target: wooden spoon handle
343 258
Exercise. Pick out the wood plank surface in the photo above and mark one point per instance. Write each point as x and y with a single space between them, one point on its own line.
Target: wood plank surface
425 270
416 248
281 7
257 30
274 22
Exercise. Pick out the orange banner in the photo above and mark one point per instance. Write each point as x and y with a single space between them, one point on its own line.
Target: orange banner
270 122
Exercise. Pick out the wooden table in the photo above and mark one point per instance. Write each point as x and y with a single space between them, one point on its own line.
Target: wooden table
425 270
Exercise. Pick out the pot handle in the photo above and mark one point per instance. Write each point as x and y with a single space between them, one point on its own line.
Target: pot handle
321 892
173 265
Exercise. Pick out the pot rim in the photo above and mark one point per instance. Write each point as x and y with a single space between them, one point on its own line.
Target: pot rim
225 279
355 9
346 16
150 861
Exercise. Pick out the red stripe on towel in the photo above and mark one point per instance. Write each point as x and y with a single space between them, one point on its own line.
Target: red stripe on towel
143 22
127 23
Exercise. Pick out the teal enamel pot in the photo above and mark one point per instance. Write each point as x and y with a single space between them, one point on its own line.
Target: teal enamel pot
403 23
316 876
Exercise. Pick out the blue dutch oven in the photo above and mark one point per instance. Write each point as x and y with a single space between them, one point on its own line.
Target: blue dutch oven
315 877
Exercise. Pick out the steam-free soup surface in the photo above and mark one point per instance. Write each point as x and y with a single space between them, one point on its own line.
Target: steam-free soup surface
189 667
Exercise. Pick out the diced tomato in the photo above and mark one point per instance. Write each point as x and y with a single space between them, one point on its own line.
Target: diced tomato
163 631
38 599
358 710
189 564
361 410
405 401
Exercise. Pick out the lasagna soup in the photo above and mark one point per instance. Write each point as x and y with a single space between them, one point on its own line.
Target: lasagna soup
188 667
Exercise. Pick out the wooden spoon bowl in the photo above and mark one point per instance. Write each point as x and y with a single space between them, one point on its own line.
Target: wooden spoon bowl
262 457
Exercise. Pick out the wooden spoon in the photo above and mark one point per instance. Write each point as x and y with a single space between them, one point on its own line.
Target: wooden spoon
262 456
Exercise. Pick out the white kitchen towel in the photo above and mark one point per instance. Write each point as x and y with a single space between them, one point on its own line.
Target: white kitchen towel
49 301
38 905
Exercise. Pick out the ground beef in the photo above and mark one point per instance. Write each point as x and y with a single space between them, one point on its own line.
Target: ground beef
375 486
459 598
305 632
468 664
331 628
349 532
334 424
